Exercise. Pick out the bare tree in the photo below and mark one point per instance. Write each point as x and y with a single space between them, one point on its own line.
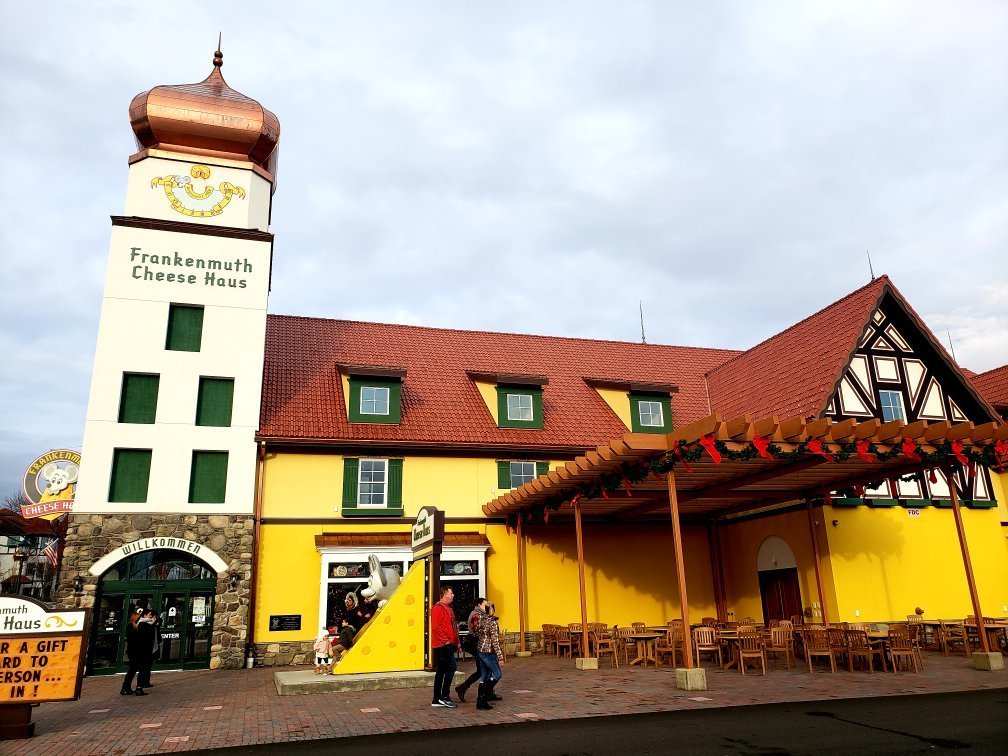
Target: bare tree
14 502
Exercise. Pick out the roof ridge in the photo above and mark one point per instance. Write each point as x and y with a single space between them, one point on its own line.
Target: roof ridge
881 280
504 333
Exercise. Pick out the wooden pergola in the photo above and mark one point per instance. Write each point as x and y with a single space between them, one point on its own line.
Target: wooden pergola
715 468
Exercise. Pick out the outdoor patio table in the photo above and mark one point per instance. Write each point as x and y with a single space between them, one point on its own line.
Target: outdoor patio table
993 630
731 638
645 648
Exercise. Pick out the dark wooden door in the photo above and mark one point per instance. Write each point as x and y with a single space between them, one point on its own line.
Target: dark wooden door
781 594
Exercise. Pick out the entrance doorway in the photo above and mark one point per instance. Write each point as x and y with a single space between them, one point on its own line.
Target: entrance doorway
178 586
780 593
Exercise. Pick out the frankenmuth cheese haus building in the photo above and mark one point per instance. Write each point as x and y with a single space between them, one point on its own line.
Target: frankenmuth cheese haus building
239 468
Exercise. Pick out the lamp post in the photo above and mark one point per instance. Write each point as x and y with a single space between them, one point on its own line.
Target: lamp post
20 555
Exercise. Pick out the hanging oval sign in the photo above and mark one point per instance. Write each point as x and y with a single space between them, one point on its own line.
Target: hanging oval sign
50 483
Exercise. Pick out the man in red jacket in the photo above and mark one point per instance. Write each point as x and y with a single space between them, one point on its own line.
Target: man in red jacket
445 640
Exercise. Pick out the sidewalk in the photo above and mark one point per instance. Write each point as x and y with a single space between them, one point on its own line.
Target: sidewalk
204 709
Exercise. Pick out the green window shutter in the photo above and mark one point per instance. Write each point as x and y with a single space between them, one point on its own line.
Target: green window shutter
394 404
542 468
666 405
394 483
130 475
138 400
350 468
213 405
502 407
185 328
503 475
208 478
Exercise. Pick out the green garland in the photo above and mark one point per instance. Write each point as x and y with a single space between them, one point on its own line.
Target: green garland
611 484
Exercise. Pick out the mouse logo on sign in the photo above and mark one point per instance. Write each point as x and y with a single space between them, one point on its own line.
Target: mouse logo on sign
49 484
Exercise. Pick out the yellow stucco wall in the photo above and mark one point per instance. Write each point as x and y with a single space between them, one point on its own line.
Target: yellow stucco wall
619 401
888 563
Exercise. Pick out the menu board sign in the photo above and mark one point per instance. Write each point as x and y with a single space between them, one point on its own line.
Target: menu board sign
41 652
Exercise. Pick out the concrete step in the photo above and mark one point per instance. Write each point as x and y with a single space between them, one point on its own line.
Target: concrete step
302 682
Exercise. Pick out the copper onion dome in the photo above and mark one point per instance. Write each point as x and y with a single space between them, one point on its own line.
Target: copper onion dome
208 118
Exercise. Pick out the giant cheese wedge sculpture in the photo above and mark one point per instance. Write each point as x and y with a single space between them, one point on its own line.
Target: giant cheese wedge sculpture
393 641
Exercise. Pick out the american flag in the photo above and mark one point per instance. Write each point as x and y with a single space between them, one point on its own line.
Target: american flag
52 553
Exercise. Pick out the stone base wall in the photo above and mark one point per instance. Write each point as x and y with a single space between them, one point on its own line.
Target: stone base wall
284 654
92 536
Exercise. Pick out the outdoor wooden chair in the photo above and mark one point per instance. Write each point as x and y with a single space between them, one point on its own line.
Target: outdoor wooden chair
858 645
671 645
563 641
624 642
781 640
916 632
750 646
706 640
772 624
797 619
901 648
605 644
785 623
709 621
549 638
638 627
747 621
949 636
817 643
838 642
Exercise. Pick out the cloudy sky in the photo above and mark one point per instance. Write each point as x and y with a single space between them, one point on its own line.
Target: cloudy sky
533 167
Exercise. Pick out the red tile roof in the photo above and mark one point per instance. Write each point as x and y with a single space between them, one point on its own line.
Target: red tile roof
993 386
794 372
303 392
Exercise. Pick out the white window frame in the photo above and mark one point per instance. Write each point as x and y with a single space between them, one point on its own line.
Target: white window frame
651 404
361 482
333 554
521 462
377 389
531 408
889 393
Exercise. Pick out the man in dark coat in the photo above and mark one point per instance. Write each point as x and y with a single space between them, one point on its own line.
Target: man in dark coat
139 649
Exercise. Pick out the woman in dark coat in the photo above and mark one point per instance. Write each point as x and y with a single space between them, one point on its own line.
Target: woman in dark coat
139 649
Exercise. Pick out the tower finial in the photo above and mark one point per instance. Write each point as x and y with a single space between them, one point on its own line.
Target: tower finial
218 60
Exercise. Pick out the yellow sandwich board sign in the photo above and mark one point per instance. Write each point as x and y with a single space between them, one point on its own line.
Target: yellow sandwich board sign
41 657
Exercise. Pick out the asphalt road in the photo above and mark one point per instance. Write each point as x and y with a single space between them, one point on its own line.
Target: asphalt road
976 721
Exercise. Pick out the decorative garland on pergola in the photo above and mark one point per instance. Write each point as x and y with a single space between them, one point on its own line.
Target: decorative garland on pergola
968 454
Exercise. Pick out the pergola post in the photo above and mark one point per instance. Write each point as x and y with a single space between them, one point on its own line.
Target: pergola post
974 597
818 567
680 570
521 584
717 564
584 662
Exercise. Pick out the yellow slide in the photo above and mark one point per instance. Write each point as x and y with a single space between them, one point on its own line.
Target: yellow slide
393 640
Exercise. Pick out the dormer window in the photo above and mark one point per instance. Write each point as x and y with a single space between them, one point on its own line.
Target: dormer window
650 413
375 394
519 406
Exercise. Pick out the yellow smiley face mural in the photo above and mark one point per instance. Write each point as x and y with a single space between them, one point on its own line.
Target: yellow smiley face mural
205 203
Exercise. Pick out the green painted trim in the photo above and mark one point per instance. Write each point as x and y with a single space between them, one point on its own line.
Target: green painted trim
130 477
351 469
394 485
844 501
666 405
138 398
504 475
915 503
185 328
881 503
348 511
208 477
542 468
981 504
503 392
942 503
215 402
395 400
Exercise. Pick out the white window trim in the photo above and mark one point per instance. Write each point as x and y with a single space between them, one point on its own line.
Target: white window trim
520 462
902 408
360 483
661 413
331 554
530 418
388 399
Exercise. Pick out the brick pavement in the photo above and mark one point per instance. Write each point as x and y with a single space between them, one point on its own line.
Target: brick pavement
204 709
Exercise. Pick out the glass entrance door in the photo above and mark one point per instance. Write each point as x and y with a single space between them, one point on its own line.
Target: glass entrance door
200 625
172 617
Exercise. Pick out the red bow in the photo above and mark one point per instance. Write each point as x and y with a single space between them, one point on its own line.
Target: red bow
708 443
546 516
678 452
862 451
626 485
575 500
761 443
859 490
1001 452
932 476
828 499
815 446
957 450
605 494
910 449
